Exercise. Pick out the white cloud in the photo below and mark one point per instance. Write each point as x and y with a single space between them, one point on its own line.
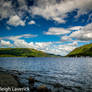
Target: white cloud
22 4
57 48
83 34
48 47
4 43
57 31
74 43
66 38
65 48
76 28
20 44
22 36
18 37
42 46
50 9
6 9
59 20
16 21
32 22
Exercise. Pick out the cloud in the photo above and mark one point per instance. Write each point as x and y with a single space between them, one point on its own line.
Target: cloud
9 8
16 21
57 31
22 36
51 9
66 38
48 47
5 44
18 43
74 43
76 28
59 20
18 37
65 48
41 45
34 45
83 34
6 9
22 4
32 22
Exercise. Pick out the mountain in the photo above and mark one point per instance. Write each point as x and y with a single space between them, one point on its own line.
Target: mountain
23 52
84 51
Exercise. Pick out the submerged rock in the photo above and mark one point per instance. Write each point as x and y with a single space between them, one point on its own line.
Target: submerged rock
43 88
31 84
57 85
31 81
32 87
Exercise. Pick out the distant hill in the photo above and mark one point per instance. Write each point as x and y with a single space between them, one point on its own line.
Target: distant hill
23 52
85 50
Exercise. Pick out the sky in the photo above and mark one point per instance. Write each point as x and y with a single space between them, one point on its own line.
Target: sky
52 26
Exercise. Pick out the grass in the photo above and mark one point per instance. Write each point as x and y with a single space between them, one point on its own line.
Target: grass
23 52
85 50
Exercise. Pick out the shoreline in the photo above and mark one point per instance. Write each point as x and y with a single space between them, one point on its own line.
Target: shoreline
10 82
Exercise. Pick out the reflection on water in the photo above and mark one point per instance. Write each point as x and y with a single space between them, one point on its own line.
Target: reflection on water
66 71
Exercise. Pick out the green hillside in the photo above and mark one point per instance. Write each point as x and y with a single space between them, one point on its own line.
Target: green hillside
85 50
22 52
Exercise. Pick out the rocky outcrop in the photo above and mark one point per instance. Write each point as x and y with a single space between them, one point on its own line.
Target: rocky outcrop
8 80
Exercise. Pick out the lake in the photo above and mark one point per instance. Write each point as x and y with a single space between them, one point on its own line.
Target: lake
68 72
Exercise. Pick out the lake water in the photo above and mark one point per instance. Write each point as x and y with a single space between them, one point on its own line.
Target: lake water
69 72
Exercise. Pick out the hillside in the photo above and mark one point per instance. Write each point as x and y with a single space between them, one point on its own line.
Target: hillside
85 50
23 52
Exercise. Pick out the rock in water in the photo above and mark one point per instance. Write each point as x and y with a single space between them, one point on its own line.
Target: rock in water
43 88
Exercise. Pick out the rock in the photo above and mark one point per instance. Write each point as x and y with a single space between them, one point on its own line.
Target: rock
31 81
31 84
68 88
78 87
57 85
32 87
8 80
43 88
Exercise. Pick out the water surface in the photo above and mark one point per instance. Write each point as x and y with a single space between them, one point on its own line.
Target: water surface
74 72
